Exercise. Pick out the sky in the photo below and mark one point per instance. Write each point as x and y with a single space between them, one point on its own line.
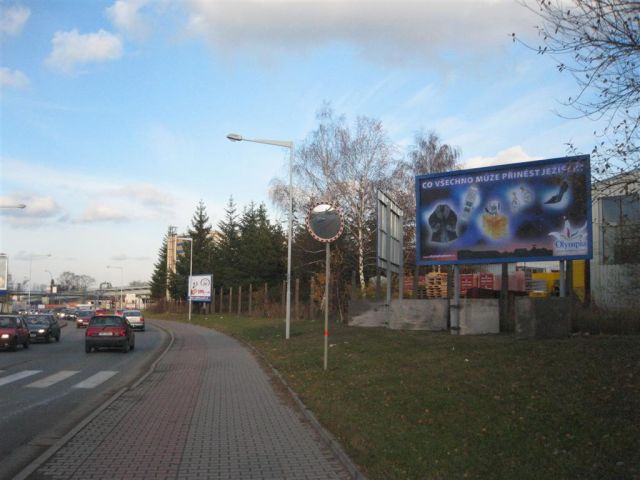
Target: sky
114 115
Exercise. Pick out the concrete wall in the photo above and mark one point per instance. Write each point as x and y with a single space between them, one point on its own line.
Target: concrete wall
428 315
367 313
543 317
479 316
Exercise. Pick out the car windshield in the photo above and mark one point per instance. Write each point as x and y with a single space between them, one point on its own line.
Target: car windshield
37 321
7 322
106 321
132 313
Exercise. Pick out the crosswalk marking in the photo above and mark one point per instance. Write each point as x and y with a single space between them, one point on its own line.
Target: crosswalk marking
95 380
52 379
17 376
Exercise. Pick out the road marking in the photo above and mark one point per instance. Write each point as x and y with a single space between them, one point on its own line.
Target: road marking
95 380
51 379
17 376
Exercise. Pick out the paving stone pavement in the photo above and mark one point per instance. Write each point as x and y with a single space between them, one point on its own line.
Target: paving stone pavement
208 411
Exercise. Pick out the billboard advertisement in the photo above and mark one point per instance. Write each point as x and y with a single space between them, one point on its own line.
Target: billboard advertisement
200 288
531 211
4 274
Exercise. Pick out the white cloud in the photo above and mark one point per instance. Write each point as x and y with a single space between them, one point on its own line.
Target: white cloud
38 211
513 154
13 78
103 213
125 16
391 32
13 19
72 48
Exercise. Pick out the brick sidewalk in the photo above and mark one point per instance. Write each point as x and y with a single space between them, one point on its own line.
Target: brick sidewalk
208 411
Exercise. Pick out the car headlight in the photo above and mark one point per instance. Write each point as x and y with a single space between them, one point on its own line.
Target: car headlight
41 330
5 335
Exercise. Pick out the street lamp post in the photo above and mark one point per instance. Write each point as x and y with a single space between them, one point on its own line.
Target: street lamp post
50 282
31 256
121 281
234 137
18 205
189 239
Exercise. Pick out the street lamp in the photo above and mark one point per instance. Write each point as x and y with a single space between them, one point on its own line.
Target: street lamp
234 137
121 281
50 282
189 239
31 257
18 205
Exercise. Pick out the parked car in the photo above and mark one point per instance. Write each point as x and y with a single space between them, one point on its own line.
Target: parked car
109 331
83 317
43 327
13 332
135 318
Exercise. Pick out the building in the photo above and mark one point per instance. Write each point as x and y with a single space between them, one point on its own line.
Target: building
615 268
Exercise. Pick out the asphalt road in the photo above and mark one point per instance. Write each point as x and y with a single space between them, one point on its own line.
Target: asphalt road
47 389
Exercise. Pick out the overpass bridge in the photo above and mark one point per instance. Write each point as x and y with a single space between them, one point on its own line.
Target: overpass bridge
133 296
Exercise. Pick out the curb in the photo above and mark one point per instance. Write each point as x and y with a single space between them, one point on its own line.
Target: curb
331 442
51 451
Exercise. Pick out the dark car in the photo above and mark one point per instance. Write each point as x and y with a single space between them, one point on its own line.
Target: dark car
83 317
13 332
109 331
43 327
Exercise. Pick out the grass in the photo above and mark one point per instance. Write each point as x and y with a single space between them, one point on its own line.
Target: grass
425 405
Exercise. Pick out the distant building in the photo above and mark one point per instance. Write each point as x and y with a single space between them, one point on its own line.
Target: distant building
615 268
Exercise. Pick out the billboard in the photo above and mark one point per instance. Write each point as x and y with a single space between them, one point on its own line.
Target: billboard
519 212
200 288
389 234
4 274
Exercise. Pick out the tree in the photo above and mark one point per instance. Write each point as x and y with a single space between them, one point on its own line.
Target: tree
70 281
261 246
598 42
344 165
200 233
159 277
226 254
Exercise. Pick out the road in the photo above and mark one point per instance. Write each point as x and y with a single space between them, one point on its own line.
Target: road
47 389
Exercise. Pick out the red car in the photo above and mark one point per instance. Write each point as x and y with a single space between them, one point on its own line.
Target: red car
83 317
109 331
13 332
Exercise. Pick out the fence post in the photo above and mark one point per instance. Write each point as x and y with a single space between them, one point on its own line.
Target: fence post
250 297
239 300
266 293
297 299
230 299
221 294
312 310
212 305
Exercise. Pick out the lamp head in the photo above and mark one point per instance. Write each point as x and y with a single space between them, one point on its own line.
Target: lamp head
235 137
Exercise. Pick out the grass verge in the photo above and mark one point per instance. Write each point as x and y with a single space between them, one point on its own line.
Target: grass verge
433 406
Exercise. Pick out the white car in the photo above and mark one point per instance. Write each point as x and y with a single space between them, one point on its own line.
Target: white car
135 319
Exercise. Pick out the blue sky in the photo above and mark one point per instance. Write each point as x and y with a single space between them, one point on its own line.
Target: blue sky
113 114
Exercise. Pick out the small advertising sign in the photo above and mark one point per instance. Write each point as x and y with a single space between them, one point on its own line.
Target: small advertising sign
200 288
518 212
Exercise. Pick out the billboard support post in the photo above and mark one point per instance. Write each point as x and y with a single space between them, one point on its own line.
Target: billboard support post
455 307
504 294
563 282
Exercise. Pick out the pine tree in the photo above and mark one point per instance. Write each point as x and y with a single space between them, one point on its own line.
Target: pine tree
200 232
159 276
225 251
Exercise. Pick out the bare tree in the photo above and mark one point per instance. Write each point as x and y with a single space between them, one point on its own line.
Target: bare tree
427 155
598 42
345 165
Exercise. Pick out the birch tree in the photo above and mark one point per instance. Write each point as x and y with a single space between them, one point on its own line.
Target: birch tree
345 165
